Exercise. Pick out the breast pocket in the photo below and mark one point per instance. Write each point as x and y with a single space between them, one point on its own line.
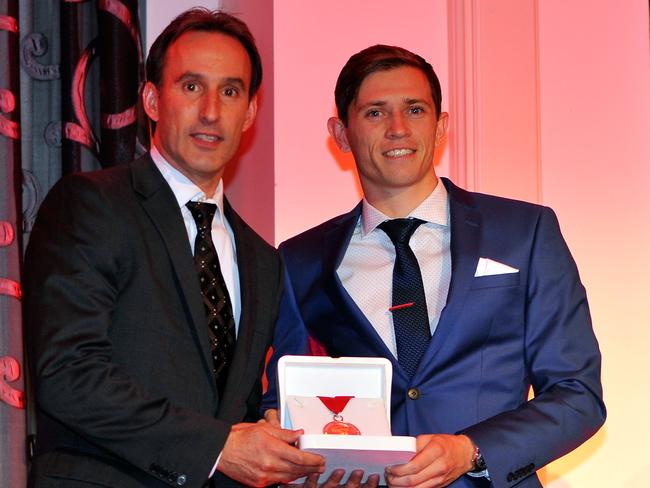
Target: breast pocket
493 281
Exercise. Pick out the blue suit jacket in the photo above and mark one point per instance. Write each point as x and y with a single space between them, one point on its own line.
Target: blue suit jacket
497 336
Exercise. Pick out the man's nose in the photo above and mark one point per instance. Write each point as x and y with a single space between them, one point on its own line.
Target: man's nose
210 107
397 126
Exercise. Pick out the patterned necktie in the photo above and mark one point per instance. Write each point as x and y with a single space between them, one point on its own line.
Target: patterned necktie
221 324
410 318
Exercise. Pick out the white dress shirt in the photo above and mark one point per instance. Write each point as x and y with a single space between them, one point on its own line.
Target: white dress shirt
366 270
222 236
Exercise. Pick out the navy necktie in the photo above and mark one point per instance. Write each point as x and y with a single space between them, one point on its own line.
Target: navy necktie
221 323
410 318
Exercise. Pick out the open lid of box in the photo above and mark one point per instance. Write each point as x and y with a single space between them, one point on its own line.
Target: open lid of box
366 377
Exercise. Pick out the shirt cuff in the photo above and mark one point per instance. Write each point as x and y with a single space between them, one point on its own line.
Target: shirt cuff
479 474
214 468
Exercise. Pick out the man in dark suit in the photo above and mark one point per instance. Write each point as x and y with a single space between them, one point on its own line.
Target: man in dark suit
148 318
474 298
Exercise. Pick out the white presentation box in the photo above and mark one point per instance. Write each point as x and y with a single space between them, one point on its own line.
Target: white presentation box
302 379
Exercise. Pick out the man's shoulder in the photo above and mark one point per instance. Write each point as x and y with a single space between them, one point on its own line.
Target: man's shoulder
488 203
110 186
107 177
314 237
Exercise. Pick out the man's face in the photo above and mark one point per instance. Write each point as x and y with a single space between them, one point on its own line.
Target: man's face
392 132
202 105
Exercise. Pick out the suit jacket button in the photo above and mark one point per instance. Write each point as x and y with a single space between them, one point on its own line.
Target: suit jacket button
414 393
181 480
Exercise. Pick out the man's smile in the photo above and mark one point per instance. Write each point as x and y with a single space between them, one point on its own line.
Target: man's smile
398 152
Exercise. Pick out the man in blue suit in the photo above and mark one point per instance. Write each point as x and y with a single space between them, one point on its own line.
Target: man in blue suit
480 302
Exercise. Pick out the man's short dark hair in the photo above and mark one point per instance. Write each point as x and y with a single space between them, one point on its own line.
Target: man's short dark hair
379 58
202 19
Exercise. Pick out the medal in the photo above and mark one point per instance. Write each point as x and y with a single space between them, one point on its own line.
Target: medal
338 426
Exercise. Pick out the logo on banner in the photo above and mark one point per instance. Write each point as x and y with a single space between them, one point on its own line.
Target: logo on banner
9 372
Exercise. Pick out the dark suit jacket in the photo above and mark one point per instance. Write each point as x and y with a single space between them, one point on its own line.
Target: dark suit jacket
118 340
497 336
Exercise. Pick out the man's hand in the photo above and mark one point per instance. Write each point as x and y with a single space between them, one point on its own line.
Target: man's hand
334 481
262 454
439 460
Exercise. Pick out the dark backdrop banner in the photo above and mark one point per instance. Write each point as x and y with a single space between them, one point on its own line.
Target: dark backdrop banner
70 76
12 399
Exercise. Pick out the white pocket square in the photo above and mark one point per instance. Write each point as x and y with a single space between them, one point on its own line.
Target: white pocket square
489 267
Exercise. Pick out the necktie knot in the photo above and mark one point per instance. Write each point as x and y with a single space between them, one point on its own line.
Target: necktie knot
203 213
400 230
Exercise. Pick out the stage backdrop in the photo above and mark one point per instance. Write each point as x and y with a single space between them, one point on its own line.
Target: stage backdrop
70 73
570 132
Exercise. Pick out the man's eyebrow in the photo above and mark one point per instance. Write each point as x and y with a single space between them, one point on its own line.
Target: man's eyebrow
232 80
189 75
413 101
372 103
382 103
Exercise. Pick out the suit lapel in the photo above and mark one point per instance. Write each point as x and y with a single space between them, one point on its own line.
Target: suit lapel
160 204
465 238
335 243
248 283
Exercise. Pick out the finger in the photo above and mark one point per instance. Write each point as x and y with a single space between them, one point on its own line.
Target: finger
372 481
242 425
354 481
311 481
427 477
291 453
335 479
271 416
277 470
417 463
286 435
293 459
302 460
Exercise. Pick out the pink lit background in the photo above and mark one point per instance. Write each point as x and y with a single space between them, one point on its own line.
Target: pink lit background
549 101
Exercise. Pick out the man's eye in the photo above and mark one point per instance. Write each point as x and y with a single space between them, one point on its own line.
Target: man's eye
373 114
191 87
230 92
416 110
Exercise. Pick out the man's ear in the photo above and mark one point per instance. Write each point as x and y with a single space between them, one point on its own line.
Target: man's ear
337 130
441 128
251 113
150 100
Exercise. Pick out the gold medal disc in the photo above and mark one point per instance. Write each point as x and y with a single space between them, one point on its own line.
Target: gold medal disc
340 428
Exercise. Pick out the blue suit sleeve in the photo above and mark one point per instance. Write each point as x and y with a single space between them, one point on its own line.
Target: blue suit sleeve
563 365
290 337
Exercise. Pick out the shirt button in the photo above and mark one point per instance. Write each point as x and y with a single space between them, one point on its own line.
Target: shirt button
414 393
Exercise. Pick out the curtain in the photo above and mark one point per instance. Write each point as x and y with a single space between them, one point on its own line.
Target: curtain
70 77
12 399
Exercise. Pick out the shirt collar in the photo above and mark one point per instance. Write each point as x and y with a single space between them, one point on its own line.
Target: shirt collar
184 190
433 209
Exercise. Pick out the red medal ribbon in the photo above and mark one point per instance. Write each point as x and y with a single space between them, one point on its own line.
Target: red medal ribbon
335 404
